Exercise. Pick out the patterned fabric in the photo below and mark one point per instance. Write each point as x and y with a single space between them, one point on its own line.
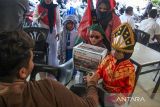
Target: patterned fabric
67 39
117 78
123 38
72 18
67 42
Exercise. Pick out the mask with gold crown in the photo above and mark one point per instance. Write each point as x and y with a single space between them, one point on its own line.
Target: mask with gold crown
123 38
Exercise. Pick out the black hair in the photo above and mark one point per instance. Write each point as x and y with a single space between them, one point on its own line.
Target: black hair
153 13
14 52
129 9
106 2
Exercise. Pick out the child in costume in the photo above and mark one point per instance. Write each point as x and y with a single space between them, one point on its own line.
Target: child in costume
67 38
96 36
116 69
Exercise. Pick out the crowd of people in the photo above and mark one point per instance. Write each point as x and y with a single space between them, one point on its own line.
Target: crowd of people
101 27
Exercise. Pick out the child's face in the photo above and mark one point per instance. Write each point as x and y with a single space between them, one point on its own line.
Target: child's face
117 54
95 37
70 26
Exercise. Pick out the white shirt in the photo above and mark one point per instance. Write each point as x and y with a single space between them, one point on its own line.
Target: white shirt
151 27
127 18
158 21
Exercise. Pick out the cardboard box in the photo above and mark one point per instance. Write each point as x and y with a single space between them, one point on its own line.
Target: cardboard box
87 57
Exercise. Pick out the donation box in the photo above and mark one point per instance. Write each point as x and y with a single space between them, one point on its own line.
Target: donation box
87 57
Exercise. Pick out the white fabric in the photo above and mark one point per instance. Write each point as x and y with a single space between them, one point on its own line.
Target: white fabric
51 39
151 27
52 57
158 21
127 18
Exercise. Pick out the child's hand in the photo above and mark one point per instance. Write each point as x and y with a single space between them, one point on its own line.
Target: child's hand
92 77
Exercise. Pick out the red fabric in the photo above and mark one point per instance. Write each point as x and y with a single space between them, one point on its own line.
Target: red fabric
113 24
85 22
45 19
117 78
112 4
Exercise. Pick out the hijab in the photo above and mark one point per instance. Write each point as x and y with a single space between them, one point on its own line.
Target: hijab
104 17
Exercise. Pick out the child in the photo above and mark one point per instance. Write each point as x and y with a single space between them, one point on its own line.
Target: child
67 38
96 37
116 69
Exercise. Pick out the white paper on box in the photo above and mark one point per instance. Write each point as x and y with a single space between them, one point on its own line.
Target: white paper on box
87 57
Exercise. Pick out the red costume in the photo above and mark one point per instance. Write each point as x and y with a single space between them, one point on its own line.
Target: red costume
117 78
117 71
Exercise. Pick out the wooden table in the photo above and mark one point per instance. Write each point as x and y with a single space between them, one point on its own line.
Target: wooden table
144 56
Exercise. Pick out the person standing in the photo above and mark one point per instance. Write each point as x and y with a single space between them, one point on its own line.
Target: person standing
12 14
106 17
67 38
47 15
